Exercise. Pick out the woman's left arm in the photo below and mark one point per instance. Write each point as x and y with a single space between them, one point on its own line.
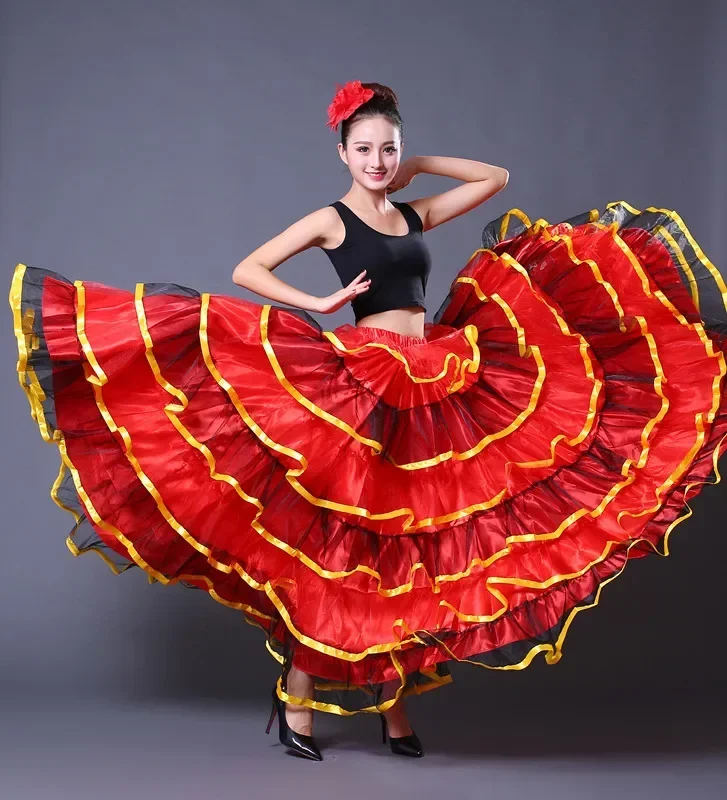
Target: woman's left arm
481 181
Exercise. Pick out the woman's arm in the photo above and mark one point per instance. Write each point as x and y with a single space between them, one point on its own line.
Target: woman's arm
255 271
481 181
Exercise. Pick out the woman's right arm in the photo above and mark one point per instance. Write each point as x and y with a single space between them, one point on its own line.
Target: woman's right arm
255 271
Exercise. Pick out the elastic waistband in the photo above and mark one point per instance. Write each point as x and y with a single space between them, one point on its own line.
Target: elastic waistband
393 336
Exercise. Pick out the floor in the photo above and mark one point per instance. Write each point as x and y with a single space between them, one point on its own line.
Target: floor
207 748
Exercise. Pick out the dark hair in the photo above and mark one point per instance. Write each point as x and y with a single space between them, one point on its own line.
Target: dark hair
384 103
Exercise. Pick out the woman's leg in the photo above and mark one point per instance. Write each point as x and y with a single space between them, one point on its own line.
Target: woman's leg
396 719
300 718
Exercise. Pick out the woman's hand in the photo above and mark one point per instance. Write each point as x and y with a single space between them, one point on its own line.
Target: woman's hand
407 170
327 305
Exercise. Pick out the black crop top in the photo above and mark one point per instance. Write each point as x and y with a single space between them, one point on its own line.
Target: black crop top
398 266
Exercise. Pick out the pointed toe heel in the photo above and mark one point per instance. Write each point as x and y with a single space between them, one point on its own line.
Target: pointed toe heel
402 745
299 743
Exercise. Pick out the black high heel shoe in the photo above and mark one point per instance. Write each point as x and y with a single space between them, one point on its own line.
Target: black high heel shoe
402 745
299 743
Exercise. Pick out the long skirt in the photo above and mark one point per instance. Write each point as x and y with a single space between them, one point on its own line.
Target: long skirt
381 505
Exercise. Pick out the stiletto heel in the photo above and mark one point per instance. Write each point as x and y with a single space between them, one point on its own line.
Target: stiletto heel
402 745
272 717
299 743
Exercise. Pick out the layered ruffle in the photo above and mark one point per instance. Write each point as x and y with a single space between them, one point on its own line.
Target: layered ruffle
382 504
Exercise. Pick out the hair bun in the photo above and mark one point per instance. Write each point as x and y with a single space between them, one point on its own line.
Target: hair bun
383 93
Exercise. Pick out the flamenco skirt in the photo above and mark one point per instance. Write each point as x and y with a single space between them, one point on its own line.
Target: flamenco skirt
381 504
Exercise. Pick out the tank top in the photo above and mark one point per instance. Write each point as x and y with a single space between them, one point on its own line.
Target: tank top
398 266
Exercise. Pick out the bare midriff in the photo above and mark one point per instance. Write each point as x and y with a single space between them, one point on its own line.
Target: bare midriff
406 321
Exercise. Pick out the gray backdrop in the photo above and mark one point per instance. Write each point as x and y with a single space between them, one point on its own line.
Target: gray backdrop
163 141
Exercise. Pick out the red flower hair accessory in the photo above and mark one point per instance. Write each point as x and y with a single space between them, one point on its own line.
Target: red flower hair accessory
346 100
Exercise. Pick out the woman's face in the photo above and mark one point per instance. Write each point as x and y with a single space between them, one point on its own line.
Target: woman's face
373 151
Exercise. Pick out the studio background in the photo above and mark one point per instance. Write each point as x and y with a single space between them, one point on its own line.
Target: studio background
164 141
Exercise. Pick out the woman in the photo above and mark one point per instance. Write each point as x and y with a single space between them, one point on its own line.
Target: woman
371 146
387 497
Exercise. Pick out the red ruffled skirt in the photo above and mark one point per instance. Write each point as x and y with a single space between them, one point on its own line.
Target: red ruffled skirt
380 504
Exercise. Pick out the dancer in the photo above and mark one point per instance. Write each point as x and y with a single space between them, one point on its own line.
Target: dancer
387 497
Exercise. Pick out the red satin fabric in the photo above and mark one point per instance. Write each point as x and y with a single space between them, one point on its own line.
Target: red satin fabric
476 484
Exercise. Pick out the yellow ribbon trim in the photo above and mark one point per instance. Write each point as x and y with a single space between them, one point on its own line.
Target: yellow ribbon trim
434 582
476 449
173 409
471 334
332 708
98 379
679 253
584 347
701 420
679 222
593 266
27 342
409 525
697 327
35 395
404 588
468 365
509 313
552 652
505 223
292 474
377 447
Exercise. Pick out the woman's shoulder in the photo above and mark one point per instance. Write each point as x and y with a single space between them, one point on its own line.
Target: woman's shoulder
412 216
320 219
327 224
315 229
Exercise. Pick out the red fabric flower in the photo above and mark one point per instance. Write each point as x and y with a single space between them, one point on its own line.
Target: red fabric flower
347 99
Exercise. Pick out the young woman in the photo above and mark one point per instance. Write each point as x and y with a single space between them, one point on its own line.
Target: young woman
377 249
389 496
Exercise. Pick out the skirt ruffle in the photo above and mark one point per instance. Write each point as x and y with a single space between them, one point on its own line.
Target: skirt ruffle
378 504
